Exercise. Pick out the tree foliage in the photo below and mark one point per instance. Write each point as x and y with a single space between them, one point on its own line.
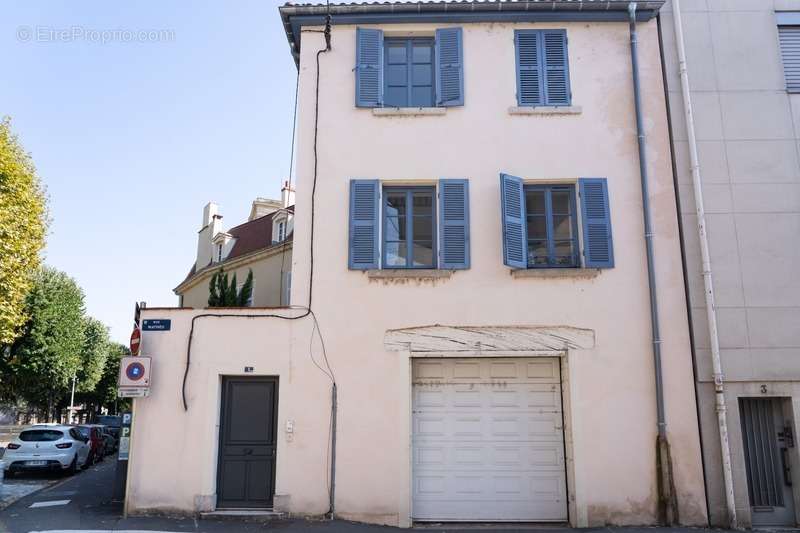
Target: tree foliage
96 345
23 221
104 392
40 365
223 293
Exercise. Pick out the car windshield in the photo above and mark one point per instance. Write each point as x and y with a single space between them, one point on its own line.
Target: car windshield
40 435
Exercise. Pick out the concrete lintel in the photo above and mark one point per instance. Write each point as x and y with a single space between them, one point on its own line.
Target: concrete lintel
475 340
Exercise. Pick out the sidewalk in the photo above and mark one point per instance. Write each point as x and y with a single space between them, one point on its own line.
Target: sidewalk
83 504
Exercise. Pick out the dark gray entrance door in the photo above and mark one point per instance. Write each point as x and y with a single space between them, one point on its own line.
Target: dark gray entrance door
767 437
247 442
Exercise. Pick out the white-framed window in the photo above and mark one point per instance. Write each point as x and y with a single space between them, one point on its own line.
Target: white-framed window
281 231
219 253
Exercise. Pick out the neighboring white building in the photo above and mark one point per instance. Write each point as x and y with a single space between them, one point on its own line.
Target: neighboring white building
469 173
743 62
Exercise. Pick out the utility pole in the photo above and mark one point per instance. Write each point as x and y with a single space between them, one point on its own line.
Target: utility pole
72 398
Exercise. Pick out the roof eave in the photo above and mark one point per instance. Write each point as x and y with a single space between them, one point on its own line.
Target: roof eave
294 17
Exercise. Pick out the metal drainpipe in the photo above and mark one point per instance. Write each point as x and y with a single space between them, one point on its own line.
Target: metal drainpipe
708 281
667 505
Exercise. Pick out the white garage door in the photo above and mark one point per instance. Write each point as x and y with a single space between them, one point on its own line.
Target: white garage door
488 443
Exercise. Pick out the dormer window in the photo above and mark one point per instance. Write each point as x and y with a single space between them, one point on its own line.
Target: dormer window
219 253
281 227
281 231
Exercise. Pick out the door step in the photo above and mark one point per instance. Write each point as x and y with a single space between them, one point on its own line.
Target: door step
257 515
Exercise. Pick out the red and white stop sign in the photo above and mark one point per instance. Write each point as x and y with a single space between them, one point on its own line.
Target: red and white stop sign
136 338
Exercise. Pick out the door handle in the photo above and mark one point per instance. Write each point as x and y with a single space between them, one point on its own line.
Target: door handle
248 451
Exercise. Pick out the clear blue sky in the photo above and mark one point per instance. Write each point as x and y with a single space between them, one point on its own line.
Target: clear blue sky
133 138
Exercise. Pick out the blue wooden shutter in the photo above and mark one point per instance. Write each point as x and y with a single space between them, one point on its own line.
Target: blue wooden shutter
530 90
556 67
449 67
598 247
453 224
369 68
515 230
364 215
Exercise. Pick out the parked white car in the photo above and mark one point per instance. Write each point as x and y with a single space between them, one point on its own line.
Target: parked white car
47 447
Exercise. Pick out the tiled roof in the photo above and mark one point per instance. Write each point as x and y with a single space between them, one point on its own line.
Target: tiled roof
252 236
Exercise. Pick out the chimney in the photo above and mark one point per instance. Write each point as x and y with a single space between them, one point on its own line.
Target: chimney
287 195
212 224
209 212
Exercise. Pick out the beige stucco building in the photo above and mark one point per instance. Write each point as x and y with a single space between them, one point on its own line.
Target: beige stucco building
743 75
479 289
262 245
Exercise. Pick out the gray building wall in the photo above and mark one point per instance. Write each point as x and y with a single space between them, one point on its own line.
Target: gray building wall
747 129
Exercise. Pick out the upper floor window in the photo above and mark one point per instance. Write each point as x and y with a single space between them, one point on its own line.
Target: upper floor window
542 68
409 227
552 226
420 71
540 224
281 231
789 37
408 72
219 253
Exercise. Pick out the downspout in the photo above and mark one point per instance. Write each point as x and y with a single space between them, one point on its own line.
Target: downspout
708 281
667 499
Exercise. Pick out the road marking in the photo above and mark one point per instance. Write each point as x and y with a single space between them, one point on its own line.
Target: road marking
48 504
100 531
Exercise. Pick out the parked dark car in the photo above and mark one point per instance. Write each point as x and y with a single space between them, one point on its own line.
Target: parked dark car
97 442
112 422
111 442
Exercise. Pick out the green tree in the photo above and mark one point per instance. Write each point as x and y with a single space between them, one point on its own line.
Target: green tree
247 290
104 393
223 293
96 345
23 222
40 365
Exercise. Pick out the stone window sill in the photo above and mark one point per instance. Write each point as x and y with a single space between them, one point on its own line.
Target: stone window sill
557 273
402 275
408 111
546 110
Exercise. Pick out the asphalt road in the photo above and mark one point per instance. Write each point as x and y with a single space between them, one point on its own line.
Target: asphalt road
82 503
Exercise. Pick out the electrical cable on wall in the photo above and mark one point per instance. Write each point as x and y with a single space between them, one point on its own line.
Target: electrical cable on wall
327 370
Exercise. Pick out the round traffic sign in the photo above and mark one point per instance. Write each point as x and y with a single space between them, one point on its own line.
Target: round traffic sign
135 371
136 338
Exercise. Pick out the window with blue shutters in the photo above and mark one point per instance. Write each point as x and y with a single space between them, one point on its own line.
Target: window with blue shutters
542 68
409 71
420 227
540 224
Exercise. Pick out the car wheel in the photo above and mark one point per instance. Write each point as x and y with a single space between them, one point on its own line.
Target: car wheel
73 466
